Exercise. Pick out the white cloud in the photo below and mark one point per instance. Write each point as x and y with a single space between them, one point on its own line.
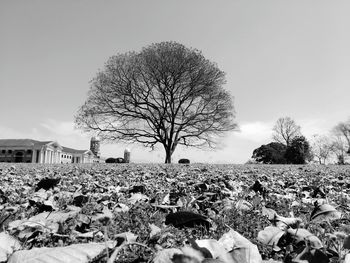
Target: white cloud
66 134
63 128
255 131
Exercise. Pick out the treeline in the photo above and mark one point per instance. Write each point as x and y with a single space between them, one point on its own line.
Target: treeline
289 146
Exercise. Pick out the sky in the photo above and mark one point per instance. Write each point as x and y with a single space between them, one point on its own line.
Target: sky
281 58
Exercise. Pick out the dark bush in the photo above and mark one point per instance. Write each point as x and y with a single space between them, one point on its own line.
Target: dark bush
272 153
110 160
186 161
299 151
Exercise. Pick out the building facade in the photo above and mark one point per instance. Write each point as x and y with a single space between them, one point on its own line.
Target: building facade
32 151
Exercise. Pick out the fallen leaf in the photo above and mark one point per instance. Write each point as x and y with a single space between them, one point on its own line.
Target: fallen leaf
243 205
301 234
240 248
165 255
186 219
78 253
216 249
324 212
270 236
137 197
154 230
8 244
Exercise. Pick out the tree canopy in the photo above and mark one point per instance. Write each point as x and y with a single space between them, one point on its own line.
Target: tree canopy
165 94
342 130
285 130
299 151
272 153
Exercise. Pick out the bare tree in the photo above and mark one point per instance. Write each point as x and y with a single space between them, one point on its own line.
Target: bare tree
285 130
166 94
322 148
342 130
339 148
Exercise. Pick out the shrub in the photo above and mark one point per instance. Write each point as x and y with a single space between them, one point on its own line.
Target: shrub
110 160
272 153
299 151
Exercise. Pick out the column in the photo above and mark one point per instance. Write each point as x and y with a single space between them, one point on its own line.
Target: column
33 155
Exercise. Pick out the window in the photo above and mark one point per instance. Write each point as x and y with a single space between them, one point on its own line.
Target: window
3 151
9 151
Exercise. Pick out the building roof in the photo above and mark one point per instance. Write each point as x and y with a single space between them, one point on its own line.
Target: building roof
70 150
21 143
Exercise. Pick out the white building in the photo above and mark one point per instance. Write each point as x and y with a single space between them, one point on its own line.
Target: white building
32 151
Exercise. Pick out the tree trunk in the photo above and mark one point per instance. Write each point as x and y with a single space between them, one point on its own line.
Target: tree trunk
168 154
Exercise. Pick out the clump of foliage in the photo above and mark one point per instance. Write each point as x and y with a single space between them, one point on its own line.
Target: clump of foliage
272 153
298 152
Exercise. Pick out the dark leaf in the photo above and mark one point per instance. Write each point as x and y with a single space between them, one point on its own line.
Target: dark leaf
47 183
314 256
186 219
80 200
138 189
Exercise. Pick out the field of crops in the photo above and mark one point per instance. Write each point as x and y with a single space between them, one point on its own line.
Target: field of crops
174 213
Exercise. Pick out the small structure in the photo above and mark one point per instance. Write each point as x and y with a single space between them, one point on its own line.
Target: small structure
127 155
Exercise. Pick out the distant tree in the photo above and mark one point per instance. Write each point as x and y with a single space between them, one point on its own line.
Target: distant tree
322 148
339 147
285 130
272 153
165 94
299 151
342 130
